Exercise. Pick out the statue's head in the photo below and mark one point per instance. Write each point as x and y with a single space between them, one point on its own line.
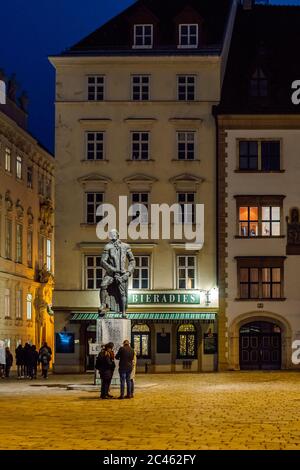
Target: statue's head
113 235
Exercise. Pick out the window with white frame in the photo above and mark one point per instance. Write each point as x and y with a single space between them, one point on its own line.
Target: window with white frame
93 201
141 198
140 87
141 274
19 243
186 87
186 272
96 87
29 306
29 248
7 302
49 254
95 145
19 167
8 239
143 36
93 272
188 35
140 145
8 160
19 304
187 205
186 145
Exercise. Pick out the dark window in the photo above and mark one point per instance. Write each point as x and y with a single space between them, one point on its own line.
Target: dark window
96 88
95 146
93 201
143 35
248 155
186 342
140 278
93 272
140 146
29 177
187 205
258 84
140 87
186 87
260 278
186 145
270 156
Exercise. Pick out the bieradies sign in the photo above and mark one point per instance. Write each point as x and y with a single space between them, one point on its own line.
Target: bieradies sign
168 298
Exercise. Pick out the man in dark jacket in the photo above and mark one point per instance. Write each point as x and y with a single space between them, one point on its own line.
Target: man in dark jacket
44 359
20 361
33 358
125 355
106 365
9 362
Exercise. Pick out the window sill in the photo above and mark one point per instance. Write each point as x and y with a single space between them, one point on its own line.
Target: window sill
281 299
130 160
186 160
95 161
260 237
7 318
259 171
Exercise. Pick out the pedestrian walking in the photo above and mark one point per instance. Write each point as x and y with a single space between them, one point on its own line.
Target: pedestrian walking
106 365
44 359
125 355
9 361
20 361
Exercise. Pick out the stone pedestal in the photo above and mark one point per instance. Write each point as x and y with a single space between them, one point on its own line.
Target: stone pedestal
113 331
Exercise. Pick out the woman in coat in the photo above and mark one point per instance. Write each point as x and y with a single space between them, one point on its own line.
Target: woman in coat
106 365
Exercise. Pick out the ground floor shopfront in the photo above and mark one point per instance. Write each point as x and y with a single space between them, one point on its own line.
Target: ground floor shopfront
164 341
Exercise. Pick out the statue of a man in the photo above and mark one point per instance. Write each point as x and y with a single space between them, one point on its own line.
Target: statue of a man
113 261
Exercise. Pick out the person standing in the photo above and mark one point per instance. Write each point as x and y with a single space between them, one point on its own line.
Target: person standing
33 362
106 365
9 362
125 355
44 359
20 361
26 352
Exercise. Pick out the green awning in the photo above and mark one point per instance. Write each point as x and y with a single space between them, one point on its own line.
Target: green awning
150 316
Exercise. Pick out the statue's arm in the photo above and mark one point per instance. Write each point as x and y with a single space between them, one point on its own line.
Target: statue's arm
131 261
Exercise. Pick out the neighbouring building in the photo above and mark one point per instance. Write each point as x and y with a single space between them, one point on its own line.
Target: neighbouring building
26 228
134 117
258 190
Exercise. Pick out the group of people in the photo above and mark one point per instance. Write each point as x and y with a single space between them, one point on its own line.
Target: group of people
27 360
105 364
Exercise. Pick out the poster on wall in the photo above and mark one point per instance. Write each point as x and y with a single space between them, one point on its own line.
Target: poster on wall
210 343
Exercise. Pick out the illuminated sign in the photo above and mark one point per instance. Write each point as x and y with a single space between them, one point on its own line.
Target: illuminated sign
158 298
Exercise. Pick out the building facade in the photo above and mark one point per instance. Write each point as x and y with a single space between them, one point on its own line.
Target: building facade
26 229
258 191
134 118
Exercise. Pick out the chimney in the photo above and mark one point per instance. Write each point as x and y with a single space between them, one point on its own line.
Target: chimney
247 4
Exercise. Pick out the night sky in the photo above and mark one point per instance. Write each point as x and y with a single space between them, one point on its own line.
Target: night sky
31 30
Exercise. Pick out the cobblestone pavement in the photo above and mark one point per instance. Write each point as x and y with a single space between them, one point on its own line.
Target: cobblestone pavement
234 410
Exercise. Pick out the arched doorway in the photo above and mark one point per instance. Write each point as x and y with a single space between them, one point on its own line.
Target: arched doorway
260 346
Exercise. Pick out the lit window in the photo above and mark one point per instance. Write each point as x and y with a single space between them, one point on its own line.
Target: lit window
29 307
143 36
188 35
140 85
259 216
186 342
270 221
8 159
7 303
96 84
186 272
19 167
95 146
141 341
186 87
19 304
248 221
49 255
186 145
93 272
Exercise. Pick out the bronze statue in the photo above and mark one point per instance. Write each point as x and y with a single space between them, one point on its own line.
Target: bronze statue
115 281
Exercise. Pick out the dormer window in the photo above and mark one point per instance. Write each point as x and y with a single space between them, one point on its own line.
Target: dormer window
143 36
188 36
258 84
